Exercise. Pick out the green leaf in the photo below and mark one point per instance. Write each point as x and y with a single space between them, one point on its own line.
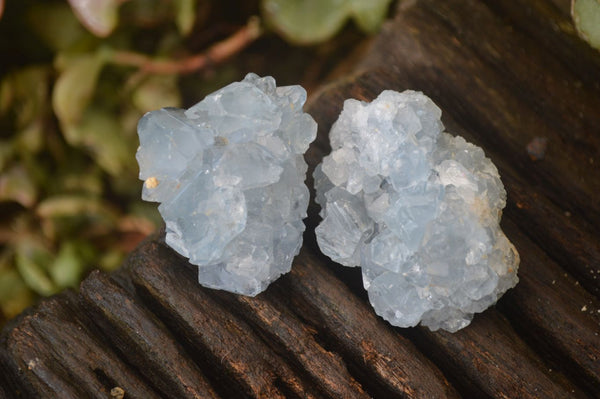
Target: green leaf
111 260
146 210
30 140
75 206
369 15
6 153
156 92
6 95
16 185
99 16
305 22
586 15
32 260
313 21
149 12
64 216
14 293
24 101
100 134
185 15
70 263
55 24
24 96
75 87
84 179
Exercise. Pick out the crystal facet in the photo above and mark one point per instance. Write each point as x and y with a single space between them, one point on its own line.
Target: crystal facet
417 209
229 174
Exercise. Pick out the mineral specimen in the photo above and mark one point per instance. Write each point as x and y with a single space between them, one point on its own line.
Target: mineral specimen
417 209
229 173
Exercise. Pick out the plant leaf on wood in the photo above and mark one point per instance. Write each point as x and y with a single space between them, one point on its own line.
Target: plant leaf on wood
586 15
313 21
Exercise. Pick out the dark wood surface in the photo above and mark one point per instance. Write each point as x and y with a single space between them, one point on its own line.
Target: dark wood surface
504 72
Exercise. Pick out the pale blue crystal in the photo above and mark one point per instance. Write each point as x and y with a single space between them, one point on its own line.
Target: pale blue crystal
229 174
417 209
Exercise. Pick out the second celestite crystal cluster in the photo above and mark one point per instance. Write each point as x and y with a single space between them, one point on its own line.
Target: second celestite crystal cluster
229 174
417 209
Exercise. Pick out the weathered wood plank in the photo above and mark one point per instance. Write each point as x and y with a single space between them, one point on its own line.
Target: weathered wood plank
297 341
46 354
549 24
488 359
555 314
32 369
400 369
386 363
557 95
228 346
142 339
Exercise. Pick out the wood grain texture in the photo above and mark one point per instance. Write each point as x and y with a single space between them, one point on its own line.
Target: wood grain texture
504 72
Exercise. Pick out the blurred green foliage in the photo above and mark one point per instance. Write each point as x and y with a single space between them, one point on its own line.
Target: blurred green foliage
73 85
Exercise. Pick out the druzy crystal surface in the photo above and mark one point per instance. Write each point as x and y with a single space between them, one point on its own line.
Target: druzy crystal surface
229 173
417 209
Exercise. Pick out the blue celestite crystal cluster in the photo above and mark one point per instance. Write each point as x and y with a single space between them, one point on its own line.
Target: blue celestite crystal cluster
417 209
229 174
